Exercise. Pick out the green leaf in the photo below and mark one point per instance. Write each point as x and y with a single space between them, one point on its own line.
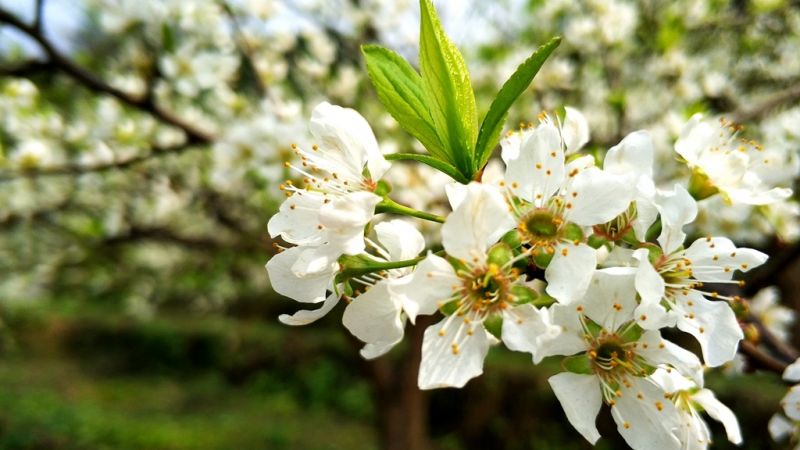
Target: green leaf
448 91
495 118
399 88
437 164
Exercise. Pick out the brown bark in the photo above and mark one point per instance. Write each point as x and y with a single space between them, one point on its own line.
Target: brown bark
401 407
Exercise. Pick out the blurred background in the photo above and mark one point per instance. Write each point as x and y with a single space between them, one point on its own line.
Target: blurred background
141 146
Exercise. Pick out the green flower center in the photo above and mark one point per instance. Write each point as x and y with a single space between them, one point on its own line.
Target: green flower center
540 225
487 288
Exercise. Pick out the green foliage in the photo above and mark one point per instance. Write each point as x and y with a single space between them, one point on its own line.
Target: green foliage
437 164
399 88
495 118
438 107
447 87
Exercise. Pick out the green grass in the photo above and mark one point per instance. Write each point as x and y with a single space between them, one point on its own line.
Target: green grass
53 404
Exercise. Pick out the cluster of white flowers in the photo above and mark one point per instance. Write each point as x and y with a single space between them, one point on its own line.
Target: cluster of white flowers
561 256
787 425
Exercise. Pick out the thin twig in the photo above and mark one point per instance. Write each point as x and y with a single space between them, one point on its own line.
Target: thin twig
93 83
768 338
37 15
785 97
761 359
767 274
72 170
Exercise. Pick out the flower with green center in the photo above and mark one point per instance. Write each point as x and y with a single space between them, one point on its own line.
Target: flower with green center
475 289
613 362
722 162
673 292
552 200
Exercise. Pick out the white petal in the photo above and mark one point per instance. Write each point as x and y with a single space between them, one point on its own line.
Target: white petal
671 381
511 143
307 316
693 138
650 314
575 130
315 261
758 197
309 289
791 403
347 141
376 350
677 208
661 351
581 400
564 336
595 197
611 297
451 356
712 323
792 372
344 219
478 222
568 275
717 258
645 418
523 329
721 413
632 156
780 427
456 193
646 211
297 220
430 284
374 316
538 170
400 238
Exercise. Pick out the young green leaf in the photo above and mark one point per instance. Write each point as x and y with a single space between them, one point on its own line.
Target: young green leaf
441 166
448 91
495 118
399 88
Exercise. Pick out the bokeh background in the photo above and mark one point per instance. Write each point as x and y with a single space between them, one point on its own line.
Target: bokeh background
141 147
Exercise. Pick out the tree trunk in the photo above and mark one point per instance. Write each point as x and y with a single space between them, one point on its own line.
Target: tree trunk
401 407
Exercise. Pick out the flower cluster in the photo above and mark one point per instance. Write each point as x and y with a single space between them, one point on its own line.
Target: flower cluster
564 254
787 425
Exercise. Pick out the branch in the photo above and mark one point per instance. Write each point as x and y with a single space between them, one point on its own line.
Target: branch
165 235
768 338
93 83
767 274
98 168
787 96
37 15
27 69
761 359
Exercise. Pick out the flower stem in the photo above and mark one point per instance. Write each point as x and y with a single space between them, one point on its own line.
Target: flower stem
388 205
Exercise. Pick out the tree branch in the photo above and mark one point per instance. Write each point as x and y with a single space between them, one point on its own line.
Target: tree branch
27 69
760 360
37 15
98 168
767 274
165 235
93 83
772 341
787 96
